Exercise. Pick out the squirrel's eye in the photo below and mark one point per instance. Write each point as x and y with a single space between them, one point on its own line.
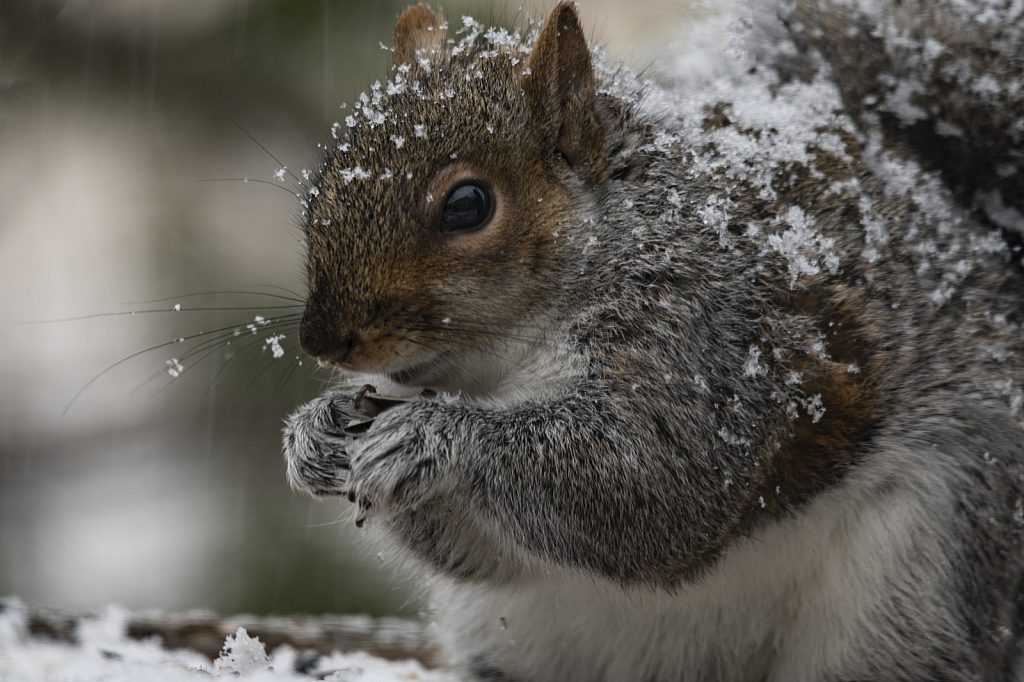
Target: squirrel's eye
468 208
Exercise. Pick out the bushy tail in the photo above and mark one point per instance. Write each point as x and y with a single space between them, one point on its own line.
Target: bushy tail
945 77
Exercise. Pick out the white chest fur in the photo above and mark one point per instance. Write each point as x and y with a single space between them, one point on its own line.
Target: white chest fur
804 598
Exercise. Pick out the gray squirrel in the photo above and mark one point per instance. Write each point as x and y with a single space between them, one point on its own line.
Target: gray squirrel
714 383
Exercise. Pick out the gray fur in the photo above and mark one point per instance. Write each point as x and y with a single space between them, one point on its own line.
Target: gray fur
749 410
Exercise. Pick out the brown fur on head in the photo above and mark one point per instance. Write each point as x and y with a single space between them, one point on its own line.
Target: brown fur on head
390 292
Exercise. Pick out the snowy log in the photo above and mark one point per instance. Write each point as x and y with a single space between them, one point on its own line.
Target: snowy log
205 632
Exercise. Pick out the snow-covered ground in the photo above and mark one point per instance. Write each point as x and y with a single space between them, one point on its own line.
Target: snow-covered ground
103 653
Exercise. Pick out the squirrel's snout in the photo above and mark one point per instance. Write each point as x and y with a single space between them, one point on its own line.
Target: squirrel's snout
326 345
339 355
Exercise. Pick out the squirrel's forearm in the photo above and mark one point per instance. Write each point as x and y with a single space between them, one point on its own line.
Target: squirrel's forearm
583 481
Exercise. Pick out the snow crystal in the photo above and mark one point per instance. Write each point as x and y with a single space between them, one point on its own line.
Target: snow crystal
350 174
714 215
942 294
732 439
814 407
1005 170
174 367
242 654
397 86
275 344
947 129
801 239
999 213
899 101
752 368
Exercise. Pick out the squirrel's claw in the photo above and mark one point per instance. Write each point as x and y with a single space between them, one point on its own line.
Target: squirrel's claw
383 467
390 470
316 447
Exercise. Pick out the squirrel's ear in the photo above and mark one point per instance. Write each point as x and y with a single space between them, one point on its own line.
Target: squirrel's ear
560 89
417 30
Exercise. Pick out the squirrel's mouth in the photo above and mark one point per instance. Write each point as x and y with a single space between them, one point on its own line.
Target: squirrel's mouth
416 374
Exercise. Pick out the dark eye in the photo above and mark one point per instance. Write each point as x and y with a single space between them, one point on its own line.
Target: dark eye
468 208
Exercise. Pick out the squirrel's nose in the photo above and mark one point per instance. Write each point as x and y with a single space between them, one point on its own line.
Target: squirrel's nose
339 354
326 345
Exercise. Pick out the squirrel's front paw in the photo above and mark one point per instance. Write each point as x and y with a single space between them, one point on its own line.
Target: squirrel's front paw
392 467
316 445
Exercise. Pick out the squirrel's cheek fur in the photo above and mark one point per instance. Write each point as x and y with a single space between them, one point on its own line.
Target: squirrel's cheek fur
724 384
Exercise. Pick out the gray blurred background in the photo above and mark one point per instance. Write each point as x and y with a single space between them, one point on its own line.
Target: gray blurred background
122 188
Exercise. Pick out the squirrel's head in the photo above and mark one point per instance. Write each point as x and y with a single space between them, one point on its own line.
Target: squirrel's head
430 226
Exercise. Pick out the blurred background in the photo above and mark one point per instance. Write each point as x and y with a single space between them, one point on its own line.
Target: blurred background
133 177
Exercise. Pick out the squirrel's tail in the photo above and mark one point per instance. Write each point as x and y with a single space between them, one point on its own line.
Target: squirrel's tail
944 78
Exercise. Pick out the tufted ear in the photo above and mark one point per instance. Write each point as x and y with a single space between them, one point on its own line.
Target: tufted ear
418 33
560 90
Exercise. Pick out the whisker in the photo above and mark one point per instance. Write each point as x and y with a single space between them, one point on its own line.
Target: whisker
130 313
165 344
275 325
227 362
223 341
484 350
247 133
521 332
217 293
153 377
325 523
298 296
246 348
285 376
258 375
445 334
210 350
248 180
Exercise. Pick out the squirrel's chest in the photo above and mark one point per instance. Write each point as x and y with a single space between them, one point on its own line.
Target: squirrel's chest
788 604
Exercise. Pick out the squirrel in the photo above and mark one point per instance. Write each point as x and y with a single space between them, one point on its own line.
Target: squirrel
716 383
